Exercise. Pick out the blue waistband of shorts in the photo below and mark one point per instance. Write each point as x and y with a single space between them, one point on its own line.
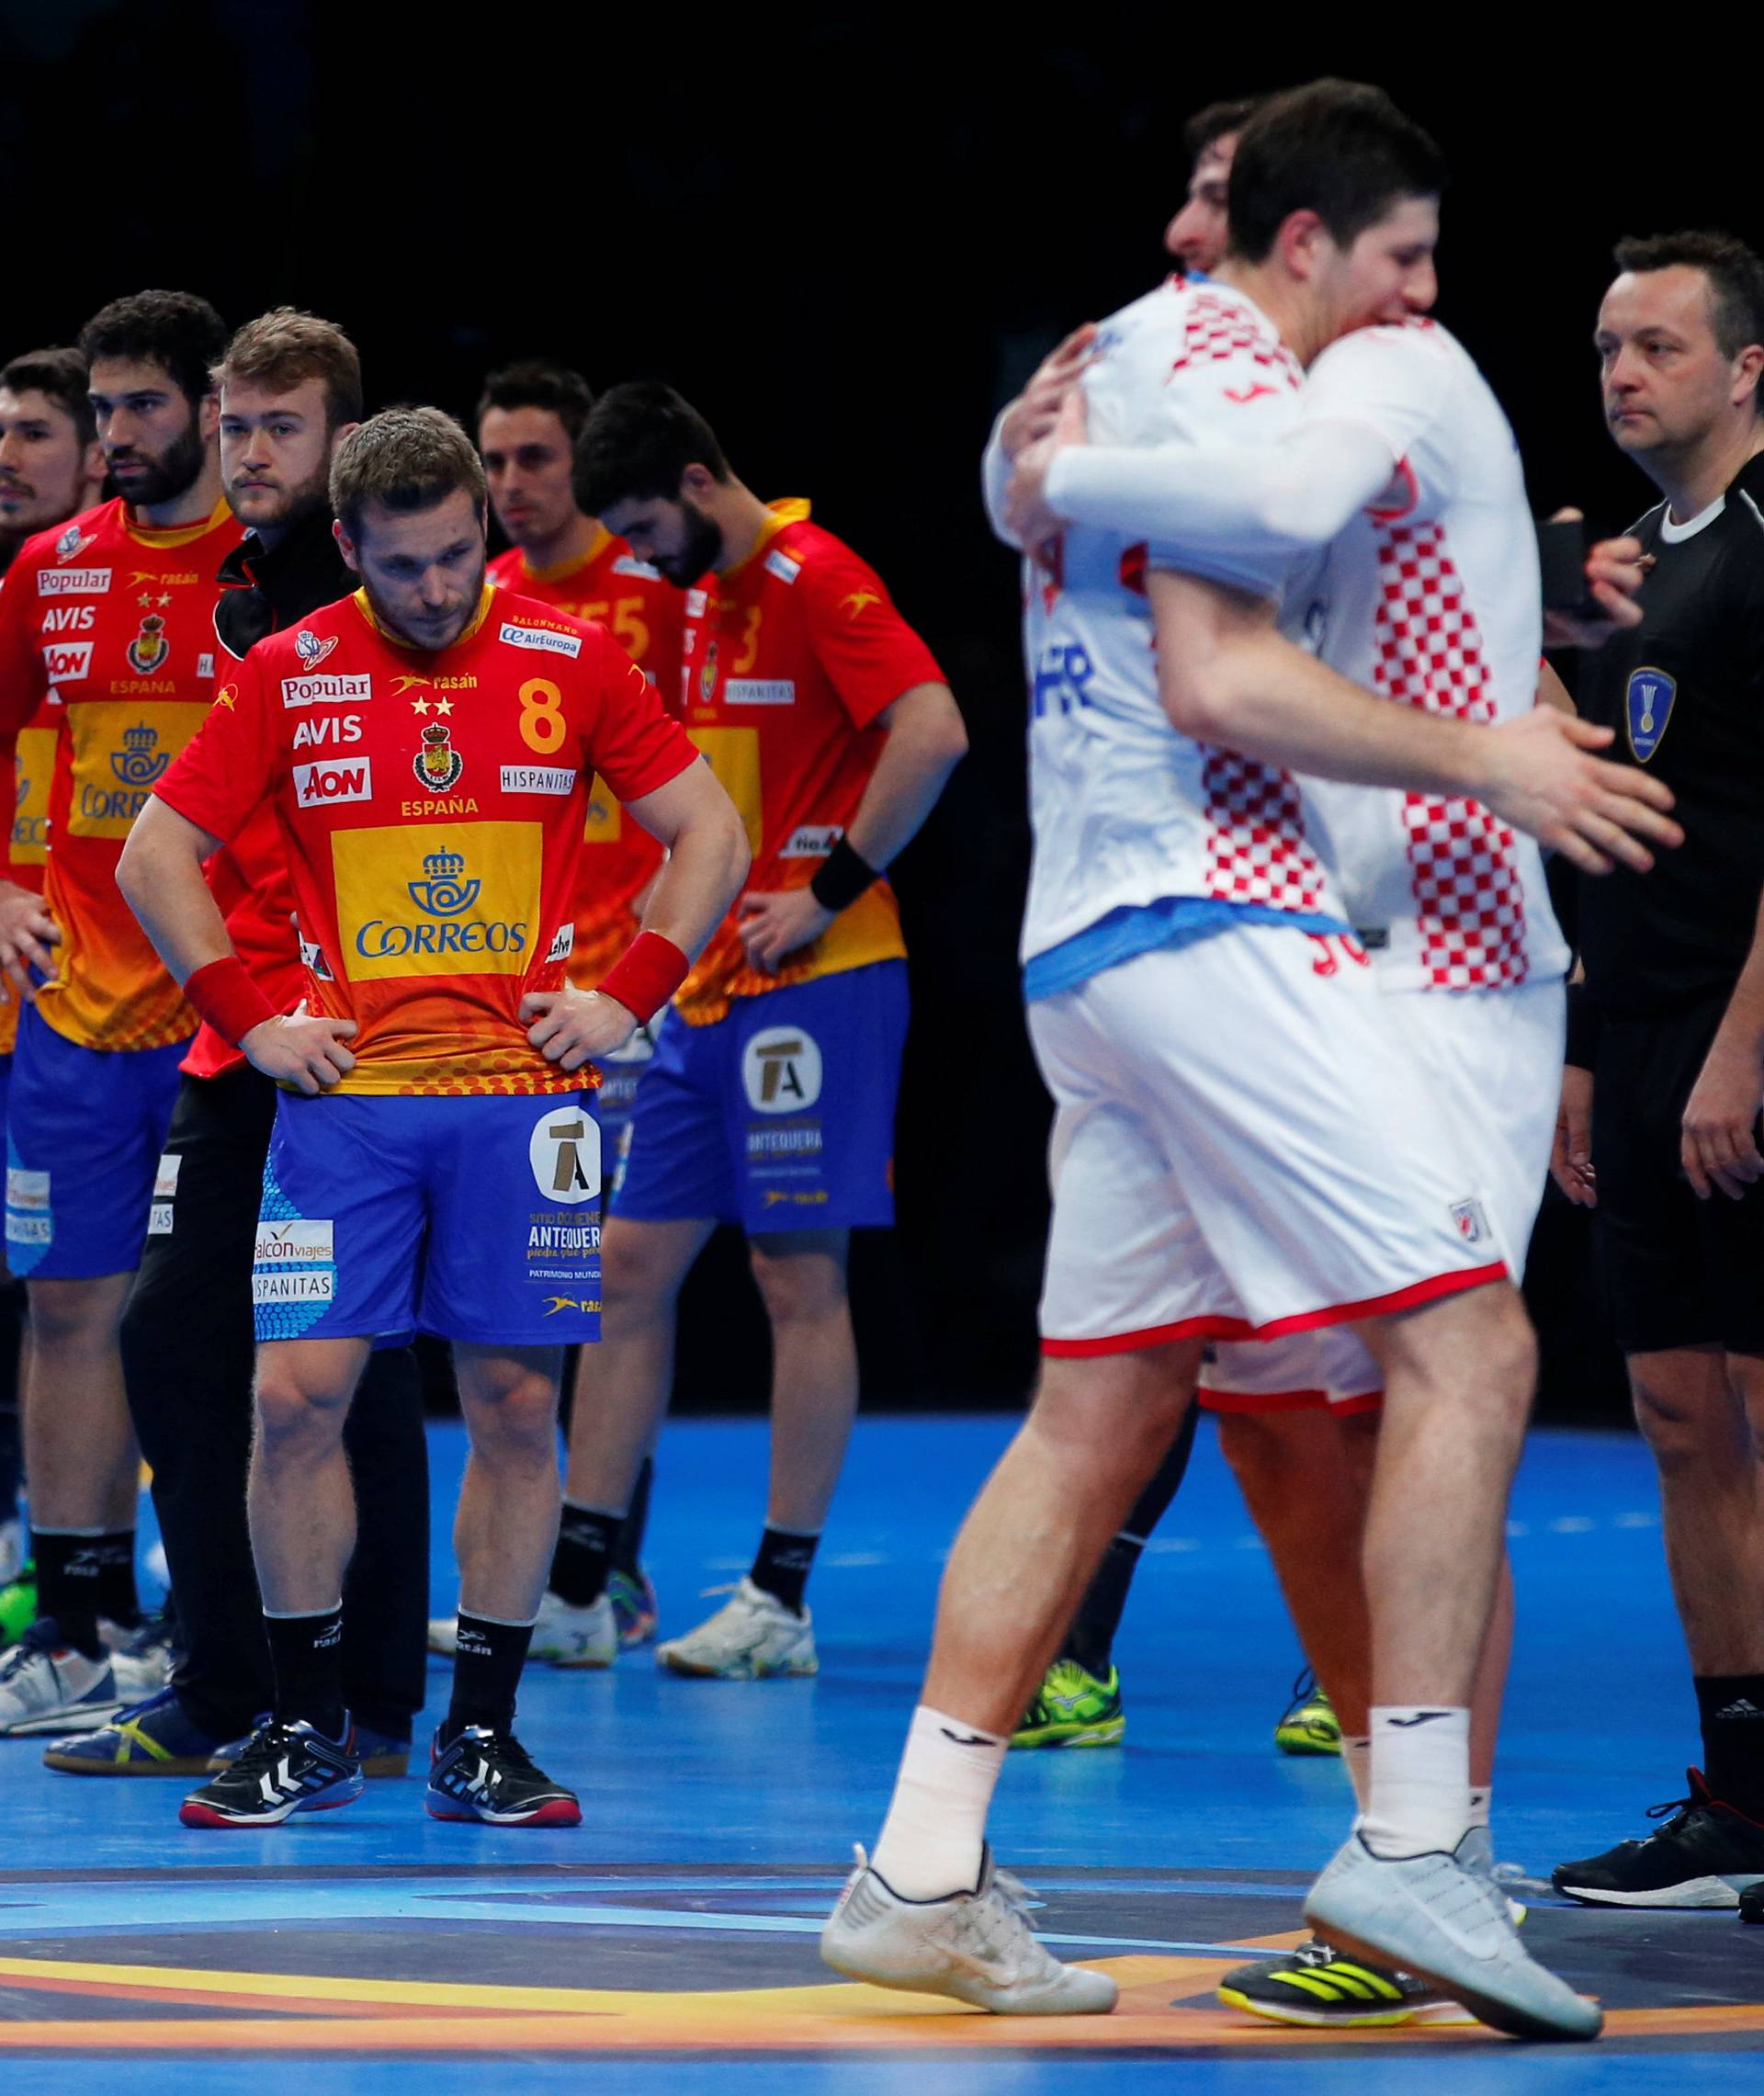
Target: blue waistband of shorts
1173 921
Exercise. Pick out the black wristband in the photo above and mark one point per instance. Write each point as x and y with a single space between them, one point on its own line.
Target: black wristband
841 878
1583 1028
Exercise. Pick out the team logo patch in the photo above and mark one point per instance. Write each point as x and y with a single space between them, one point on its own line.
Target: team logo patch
781 1070
72 543
1647 707
147 651
73 582
760 691
1472 1224
707 675
310 649
341 779
562 944
543 638
140 760
66 661
782 566
438 764
443 891
564 1151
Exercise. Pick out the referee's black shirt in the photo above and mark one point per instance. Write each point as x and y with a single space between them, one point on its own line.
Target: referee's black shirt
1685 692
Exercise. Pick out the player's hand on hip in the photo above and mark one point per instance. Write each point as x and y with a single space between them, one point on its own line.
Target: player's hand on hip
1718 1141
774 925
27 933
1571 1153
1029 517
1035 411
1542 779
569 1027
301 1050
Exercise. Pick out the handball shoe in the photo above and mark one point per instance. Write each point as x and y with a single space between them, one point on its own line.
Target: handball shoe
1309 1724
751 1636
974 1946
152 1738
15 1548
286 1766
632 1595
487 1775
46 1686
1324 1990
143 1658
563 1635
1073 1708
1431 1916
18 1604
1705 1855
380 1753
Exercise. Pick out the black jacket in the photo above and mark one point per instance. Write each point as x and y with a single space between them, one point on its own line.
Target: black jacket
262 590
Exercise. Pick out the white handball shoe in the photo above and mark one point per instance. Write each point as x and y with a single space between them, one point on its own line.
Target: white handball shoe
562 1636
976 1947
46 1686
1445 1922
751 1636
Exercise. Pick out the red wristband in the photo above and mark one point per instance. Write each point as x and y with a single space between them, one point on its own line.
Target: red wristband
645 975
224 994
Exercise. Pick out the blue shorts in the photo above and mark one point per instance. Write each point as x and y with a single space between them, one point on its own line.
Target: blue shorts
619 1077
778 1117
85 1127
472 1219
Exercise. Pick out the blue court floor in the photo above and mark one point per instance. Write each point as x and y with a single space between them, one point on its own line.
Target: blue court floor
668 1944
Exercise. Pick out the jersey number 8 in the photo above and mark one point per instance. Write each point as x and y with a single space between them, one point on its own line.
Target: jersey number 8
542 723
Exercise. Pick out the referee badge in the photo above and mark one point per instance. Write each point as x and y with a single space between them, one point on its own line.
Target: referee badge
1647 707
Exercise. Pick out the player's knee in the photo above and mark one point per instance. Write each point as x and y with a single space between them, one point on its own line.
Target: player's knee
511 1407
293 1413
638 1276
74 1315
799 1287
1687 1421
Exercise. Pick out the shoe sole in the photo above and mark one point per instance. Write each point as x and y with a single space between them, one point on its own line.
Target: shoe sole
1301 1747
1108 1734
1367 2019
193 1815
952 1986
63 1721
596 1664
671 1661
1693 1892
556 1812
75 1765
1486 2008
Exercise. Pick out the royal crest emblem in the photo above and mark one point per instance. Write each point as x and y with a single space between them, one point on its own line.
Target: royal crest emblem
150 647
438 764
443 891
140 761
1647 707
707 675
310 649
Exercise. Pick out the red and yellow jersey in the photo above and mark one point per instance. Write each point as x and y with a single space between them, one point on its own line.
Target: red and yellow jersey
789 658
430 811
611 586
28 853
120 621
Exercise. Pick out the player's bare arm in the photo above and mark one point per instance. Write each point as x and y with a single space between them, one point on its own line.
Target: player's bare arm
1030 418
1718 1147
706 863
1226 677
925 742
160 874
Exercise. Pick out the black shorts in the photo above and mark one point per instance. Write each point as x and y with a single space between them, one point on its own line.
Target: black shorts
1678 1271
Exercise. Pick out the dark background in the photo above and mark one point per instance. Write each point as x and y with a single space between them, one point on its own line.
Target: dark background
846 237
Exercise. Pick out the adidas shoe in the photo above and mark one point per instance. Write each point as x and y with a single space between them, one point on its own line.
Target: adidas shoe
46 1686
632 1595
751 1636
380 1753
286 1766
491 1776
1431 1916
1309 1725
1073 1708
18 1605
1705 1855
1323 1988
973 1946
152 1738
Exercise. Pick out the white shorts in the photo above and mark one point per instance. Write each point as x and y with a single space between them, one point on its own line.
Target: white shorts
1494 1058
1244 1145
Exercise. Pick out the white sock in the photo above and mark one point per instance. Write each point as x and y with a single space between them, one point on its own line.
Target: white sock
1356 1758
930 1841
1481 1803
1420 1780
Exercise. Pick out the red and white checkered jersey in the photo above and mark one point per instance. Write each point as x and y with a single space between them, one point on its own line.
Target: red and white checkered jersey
1430 597
1126 811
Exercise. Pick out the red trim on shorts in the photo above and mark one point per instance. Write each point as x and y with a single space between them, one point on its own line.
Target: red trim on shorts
1216 1326
1274 1402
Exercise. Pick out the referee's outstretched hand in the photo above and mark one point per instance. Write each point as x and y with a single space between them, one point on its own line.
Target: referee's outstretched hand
1543 779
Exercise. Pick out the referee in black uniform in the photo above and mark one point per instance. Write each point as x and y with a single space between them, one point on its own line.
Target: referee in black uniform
1666 1045
188 1345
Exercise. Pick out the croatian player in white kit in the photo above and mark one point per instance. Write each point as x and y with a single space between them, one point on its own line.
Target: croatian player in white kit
1243 1146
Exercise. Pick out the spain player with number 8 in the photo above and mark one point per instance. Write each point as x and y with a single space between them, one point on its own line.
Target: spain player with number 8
427 745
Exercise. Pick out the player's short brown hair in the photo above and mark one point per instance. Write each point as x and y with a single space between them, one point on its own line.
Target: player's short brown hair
285 346
60 375
1734 272
406 459
1219 119
1336 147
638 442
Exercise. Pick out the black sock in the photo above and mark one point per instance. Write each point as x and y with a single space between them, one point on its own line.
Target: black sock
585 1536
783 1565
306 1652
628 1545
80 1578
1730 1708
1091 1640
486 1672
